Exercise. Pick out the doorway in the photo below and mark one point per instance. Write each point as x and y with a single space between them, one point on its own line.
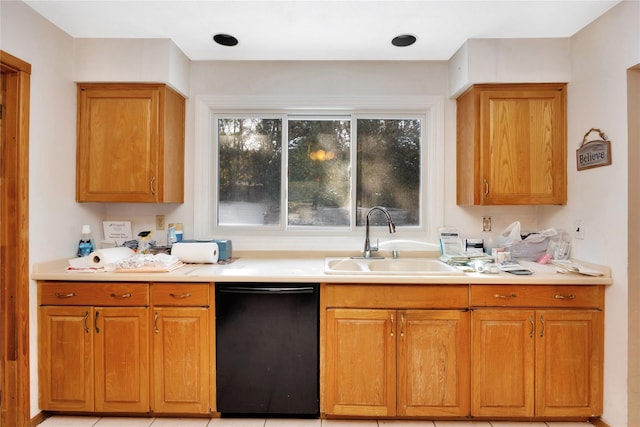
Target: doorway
14 241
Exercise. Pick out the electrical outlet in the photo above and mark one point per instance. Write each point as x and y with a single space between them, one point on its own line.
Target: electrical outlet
486 223
159 222
578 229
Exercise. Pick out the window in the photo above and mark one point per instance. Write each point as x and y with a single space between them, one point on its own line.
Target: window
318 170
249 153
313 173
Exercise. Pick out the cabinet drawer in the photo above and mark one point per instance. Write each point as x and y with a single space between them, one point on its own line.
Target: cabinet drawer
397 296
180 294
119 294
537 296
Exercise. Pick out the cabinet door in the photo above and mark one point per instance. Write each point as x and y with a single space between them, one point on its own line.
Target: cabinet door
117 144
181 360
122 359
569 357
433 363
66 358
360 362
502 362
523 146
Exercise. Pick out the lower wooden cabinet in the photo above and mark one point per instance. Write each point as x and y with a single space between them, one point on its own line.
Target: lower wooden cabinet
542 362
181 337
397 362
95 341
94 359
433 363
402 361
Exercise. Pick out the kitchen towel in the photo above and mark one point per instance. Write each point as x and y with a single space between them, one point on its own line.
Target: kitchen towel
196 252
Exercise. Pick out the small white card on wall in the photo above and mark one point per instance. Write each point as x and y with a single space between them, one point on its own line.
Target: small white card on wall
117 231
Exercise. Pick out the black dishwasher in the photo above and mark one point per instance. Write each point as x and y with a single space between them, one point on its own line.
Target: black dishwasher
267 360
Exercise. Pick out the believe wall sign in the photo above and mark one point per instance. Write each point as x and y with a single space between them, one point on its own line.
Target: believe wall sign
594 153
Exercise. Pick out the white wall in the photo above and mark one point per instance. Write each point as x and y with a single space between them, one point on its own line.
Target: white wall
54 217
509 61
131 60
597 98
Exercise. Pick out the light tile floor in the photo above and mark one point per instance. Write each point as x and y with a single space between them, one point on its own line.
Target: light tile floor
68 421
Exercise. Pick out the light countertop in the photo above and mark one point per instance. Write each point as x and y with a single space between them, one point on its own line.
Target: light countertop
287 267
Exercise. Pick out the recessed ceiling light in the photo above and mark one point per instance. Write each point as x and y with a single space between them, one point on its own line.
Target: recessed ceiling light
225 39
403 40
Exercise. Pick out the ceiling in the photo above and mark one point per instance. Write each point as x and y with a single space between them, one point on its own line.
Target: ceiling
321 29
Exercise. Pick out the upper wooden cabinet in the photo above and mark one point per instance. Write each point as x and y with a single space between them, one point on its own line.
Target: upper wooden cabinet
130 143
512 145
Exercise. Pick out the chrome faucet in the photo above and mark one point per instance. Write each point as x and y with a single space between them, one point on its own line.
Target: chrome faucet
392 229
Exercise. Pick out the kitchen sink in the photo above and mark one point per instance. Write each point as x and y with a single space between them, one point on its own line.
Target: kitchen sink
383 266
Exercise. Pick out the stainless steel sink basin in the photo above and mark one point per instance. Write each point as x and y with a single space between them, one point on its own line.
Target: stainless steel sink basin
400 266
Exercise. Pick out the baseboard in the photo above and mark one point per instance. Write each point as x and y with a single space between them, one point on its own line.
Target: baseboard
39 418
598 422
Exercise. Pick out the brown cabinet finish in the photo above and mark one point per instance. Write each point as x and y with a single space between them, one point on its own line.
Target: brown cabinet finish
394 361
512 144
130 144
414 351
181 362
537 361
360 363
433 363
94 359
66 357
121 343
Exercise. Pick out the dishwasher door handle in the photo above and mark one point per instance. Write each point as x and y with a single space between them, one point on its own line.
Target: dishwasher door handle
267 290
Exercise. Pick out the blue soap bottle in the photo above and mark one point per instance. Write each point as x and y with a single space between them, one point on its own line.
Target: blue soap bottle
86 245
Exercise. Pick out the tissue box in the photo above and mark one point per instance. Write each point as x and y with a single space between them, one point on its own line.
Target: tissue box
224 249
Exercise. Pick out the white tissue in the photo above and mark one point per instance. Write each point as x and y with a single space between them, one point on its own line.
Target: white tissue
110 256
196 252
102 258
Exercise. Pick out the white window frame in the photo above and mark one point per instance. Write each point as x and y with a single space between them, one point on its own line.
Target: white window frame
430 108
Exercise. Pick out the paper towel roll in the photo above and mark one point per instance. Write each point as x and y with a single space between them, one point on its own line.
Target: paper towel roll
109 256
196 252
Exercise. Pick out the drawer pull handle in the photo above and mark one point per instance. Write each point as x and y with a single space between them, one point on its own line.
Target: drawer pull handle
155 323
560 296
61 295
402 325
392 325
542 329
180 296
532 326
95 322
85 323
504 296
121 296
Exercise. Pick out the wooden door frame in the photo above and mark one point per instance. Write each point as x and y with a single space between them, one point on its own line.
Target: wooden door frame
14 244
